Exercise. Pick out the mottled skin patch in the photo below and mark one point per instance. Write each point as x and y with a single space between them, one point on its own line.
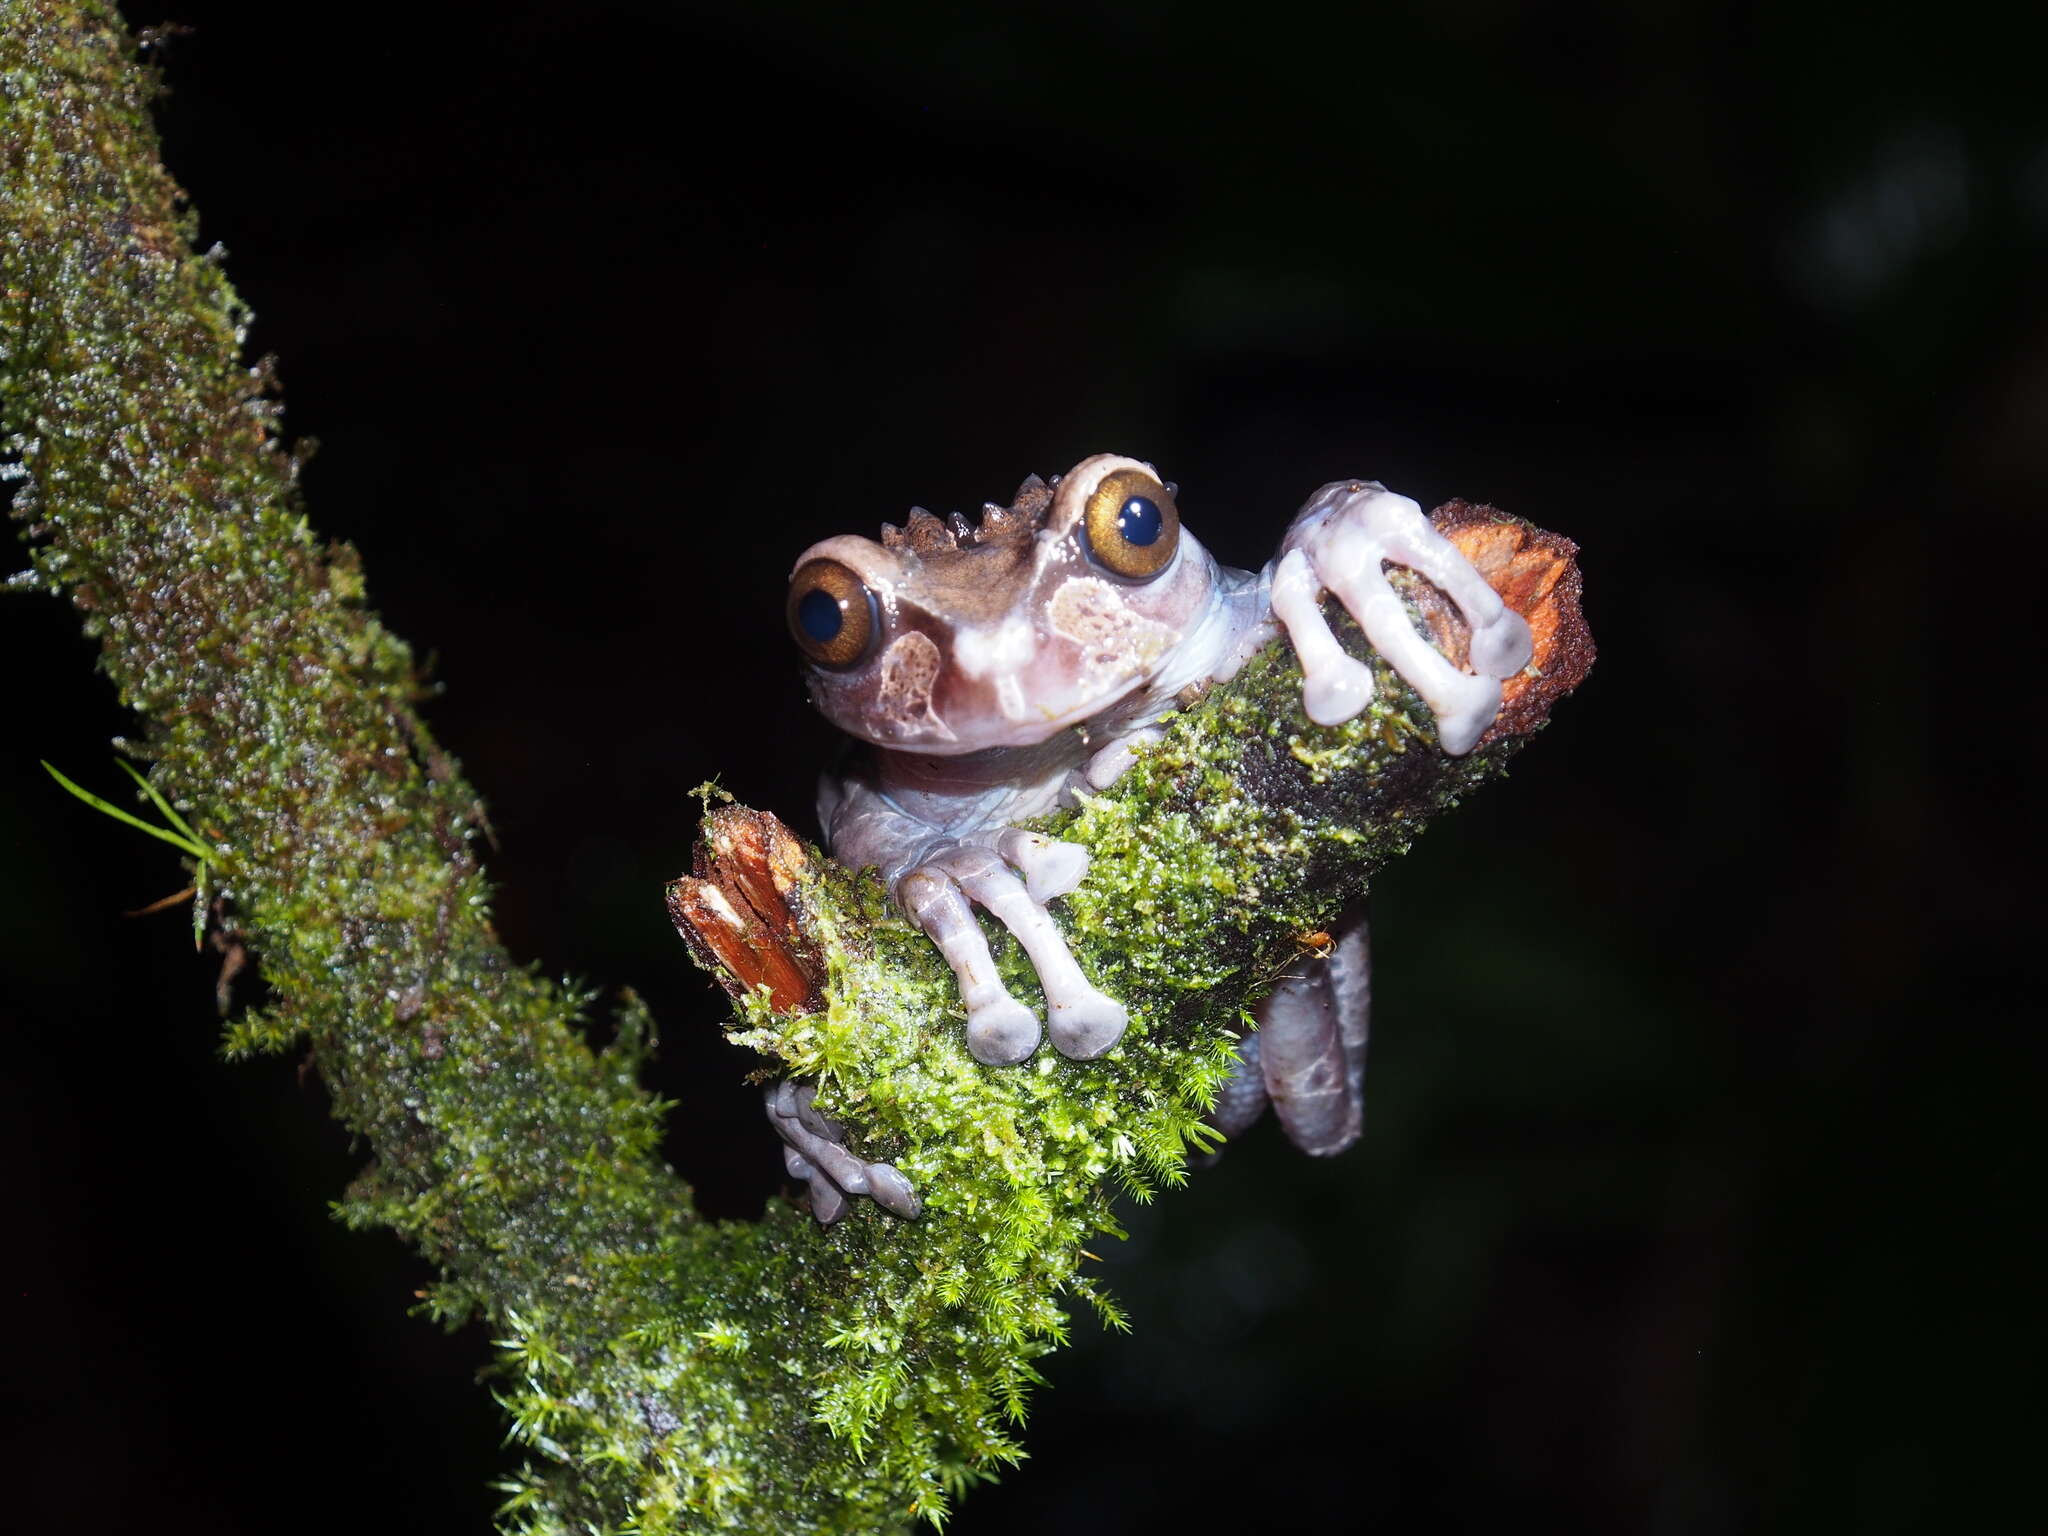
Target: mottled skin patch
909 669
1116 643
993 598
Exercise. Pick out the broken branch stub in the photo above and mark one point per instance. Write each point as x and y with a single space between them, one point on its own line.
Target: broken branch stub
738 912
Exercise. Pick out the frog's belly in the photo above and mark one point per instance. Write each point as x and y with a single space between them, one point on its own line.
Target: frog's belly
960 796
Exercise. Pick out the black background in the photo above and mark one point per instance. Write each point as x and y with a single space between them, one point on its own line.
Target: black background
1697 1166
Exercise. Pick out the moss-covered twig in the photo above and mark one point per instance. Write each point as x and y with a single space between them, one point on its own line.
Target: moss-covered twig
669 1373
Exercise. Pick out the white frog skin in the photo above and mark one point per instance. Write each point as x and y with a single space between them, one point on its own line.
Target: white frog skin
994 667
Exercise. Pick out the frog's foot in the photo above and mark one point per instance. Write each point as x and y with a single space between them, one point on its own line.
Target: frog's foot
1051 868
1338 543
1308 1058
813 1149
937 894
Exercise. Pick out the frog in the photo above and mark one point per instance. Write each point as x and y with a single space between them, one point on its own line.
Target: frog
988 672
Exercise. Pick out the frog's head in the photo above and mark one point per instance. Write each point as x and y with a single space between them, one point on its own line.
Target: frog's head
948 637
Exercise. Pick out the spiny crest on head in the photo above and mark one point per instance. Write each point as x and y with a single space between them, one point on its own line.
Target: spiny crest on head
924 534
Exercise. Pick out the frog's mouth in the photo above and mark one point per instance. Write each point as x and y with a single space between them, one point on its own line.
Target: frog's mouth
907 700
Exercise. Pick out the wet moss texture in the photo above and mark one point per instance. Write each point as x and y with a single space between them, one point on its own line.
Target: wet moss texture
664 1373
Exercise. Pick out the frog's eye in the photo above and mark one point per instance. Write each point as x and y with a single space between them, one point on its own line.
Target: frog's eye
1131 525
831 614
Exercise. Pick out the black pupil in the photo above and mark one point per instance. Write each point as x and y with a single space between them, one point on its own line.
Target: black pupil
819 615
1140 521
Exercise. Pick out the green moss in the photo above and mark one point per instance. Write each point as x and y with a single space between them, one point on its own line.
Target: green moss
663 1372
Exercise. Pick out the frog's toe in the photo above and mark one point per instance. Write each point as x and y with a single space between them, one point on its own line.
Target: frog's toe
1462 720
1503 647
1338 692
1335 685
1001 1031
892 1191
828 1202
1242 1098
813 1151
1109 765
1051 868
1086 1024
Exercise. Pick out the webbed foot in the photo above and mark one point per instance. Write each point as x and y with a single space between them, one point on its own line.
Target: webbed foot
813 1149
1338 543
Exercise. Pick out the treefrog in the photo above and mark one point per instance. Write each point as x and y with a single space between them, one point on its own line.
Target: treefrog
991 668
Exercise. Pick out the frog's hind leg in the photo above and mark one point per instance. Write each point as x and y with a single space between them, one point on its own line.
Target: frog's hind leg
1082 1021
1242 1099
1313 1030
814 1150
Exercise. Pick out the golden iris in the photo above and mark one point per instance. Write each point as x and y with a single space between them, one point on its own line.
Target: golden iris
831 613
1131 525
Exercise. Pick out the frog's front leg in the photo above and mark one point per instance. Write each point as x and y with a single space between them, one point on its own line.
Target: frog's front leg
1338 543
936 895
937 880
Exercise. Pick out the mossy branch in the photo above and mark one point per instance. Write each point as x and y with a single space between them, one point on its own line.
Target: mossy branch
669 1373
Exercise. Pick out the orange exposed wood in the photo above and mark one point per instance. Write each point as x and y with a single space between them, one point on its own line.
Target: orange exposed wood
1536 574
739 911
